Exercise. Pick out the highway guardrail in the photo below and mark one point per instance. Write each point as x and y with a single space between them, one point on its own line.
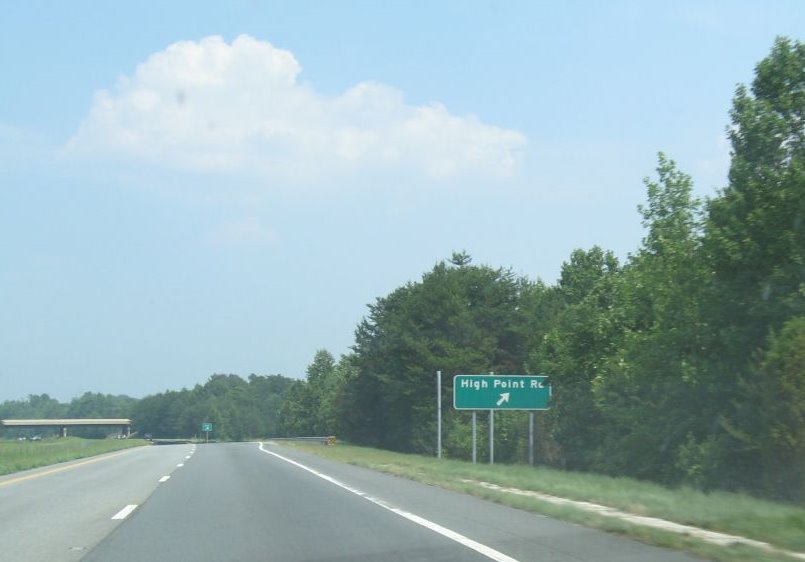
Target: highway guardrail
325 440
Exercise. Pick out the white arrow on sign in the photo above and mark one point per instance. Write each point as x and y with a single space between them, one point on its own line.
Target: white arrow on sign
504 397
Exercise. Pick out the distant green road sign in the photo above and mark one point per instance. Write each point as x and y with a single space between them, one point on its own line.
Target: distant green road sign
493 392
206 427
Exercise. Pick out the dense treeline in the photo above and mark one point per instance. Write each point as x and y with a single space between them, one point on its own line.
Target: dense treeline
684 364
88 405
238 409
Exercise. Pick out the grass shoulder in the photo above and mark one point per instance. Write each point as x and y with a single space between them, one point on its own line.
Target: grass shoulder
23 455
780 525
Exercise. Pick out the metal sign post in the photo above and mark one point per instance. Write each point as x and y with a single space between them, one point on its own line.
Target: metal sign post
492 429
531 438
438 414
474 440
491 436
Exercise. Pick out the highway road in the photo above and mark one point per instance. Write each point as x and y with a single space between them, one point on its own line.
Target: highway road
245 501
58 513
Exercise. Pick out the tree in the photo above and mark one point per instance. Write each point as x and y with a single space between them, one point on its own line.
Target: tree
756 228
780 388
460 259
308 408
268 393
573 350
583 271
296 418
458 318
650 387
238 409
755 245
333 396
322 366
97 405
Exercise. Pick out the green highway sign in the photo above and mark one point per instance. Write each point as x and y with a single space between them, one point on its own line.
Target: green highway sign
206 427
493 392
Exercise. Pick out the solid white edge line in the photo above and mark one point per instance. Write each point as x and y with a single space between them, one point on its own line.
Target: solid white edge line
123 513
487 551
164 479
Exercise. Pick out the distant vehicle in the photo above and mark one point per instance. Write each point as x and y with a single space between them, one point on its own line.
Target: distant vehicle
147 436
22 439
36 438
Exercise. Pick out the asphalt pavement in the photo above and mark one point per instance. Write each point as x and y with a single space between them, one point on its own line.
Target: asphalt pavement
246 502
58 513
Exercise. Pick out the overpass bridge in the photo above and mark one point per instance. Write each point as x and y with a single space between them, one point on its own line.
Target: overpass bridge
63 424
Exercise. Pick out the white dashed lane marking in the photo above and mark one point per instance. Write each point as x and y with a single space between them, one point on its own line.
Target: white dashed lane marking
125 512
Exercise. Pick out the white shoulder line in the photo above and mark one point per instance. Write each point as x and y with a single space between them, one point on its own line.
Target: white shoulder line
489 552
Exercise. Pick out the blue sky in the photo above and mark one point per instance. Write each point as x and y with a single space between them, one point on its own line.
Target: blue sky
192 188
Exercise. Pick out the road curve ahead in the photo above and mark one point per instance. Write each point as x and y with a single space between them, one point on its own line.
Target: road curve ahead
250 502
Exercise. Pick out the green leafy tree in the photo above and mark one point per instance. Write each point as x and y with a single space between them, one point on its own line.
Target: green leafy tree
307 410
460 318
755 244
333 395
756 229
650 388
268 393
573 351
237 408
766 435
296 419
780 389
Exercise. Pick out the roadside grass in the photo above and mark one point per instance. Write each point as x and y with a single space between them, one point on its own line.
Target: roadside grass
22 455
781 525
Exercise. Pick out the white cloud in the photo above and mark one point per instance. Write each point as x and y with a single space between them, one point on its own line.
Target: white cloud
211 106
247 231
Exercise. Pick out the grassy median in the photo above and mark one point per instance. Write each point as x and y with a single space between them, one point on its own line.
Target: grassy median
781 525
22 455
